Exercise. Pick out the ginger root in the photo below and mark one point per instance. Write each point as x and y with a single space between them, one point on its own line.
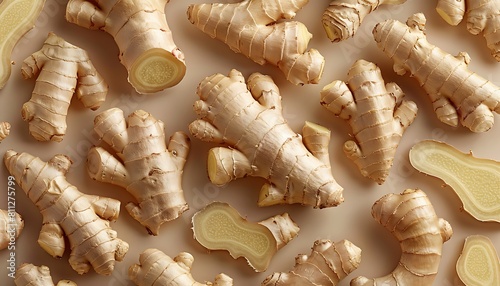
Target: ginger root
11 226
327 264
140 29
157 268
254 29
478 263
377 114
30 275
4 130
248 118
410 217
17 17
84 219
147 168
456 92
63 70
219 226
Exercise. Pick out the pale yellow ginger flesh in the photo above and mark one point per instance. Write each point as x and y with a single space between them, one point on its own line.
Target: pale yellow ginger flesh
145 41
247 118
342 18
30 275
157 268
255 29
483 16
327 264
377 114
11 226
478 263
457 94
83 219
219 226
17 17
411 218
4 130
476 181
149 169
62 70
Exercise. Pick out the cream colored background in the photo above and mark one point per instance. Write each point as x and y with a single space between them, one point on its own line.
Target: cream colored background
351 220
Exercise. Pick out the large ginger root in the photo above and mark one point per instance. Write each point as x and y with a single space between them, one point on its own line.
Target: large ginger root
30 275
84 219
249 120
342 18
11 226
478 263
254 29
410 217
147 168
219 226
456 92
140 29
17 17
157 268
63 70
327 264
376 113
4 130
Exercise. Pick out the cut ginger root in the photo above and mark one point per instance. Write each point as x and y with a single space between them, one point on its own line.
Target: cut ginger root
377 114
147 168
255 29
140 29
478 263
248 117
411 218
157 268
476 181
219 226
63 70
11 225
327 265
30 275
84 219
17 17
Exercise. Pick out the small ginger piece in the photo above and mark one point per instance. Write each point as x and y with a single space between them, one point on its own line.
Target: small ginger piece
219 226
30 275
62 70
140 29
478 263
4 130
255 29
327 264
248 117
456 92
17 17
476 181
377 114
157 268
147 168
411 218
11 226
84 219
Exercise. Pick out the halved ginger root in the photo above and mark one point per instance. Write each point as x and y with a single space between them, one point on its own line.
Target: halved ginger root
17 17
219 226
456 92
410 217
248 118
30 275
157 268
84 219
476 181
4 130
11 226
327 264
140 29
63 70
478 263
147 168
255 29
376 113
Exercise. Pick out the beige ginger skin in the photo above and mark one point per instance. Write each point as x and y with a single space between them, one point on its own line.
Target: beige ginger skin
457 94
62 70
4 130
30 275
148 168
140 29
83 219
247 118
377 114
254 29
11 224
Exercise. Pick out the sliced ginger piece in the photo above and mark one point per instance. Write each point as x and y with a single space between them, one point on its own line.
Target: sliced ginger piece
476 181
478 263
